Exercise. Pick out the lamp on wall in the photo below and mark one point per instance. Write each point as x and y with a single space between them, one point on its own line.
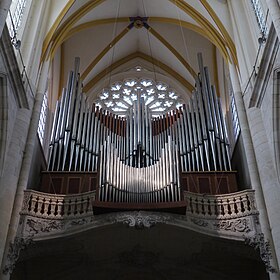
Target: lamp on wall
262 39
16 43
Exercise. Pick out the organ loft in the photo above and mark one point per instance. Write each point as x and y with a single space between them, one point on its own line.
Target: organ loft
140 158
139 139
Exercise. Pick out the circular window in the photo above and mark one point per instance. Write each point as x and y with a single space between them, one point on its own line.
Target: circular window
121 96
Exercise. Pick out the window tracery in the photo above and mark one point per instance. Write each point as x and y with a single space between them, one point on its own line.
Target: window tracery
43 119
16 14
120 96
259 15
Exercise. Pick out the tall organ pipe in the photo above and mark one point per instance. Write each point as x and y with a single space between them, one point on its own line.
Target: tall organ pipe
139 158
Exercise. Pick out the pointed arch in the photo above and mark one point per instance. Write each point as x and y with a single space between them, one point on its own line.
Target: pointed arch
145 57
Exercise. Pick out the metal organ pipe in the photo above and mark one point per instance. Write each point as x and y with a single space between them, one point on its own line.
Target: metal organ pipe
139 158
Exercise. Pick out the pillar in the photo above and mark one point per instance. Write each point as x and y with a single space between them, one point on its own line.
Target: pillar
253 168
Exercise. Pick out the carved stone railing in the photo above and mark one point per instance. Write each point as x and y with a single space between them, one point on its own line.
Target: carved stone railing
230 216
226 206
53 206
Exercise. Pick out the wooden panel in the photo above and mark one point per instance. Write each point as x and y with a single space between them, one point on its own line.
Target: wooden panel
68 182
73 185
56 184
204 184
209 182
223 185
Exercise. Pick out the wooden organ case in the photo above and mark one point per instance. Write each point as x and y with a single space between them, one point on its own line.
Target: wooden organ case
139 161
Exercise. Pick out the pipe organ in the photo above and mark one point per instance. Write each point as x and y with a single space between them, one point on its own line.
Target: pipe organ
139 158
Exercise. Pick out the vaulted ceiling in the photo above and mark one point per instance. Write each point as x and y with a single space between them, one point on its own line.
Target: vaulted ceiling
112 37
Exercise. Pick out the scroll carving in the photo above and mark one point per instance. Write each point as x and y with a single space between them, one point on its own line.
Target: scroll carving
140 220
240 225
263 247
15 248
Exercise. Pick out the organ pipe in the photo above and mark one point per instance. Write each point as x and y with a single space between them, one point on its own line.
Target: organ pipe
139 159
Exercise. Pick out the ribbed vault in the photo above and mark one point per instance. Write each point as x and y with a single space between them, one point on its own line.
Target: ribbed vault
171 32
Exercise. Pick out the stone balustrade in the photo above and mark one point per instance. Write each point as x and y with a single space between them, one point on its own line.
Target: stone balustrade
224 206
231 216
54 206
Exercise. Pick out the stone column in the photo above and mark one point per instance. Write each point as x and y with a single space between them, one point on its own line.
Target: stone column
4 8
252 166
9 180
25 170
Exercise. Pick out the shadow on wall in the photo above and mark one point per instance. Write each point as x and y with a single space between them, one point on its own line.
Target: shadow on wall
239 164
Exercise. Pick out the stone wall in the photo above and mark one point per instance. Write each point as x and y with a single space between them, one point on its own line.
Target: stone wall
15 116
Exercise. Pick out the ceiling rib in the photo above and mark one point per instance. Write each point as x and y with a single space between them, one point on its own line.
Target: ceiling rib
145 57
104 51
223 30
203 22
61 32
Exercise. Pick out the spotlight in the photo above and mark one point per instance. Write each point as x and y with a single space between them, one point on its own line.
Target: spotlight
17 44
262 39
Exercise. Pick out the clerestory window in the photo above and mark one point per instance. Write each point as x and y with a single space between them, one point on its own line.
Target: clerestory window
121 96
233 115
43 119
14 20
260 16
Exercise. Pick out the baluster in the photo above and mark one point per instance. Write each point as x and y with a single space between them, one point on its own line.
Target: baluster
67 209
225 207
191 205
235 206
207 207
246 204
220 208
242 204
238 205
53 204
231 206
188 203
47 202
197 206
73 207
34 201
212 206
59 207
39 211
82 206
89 201
202 207
79 207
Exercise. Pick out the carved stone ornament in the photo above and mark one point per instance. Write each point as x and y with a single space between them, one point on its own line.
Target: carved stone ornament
14 251
240 225
139 220
36 226
259 244
199 222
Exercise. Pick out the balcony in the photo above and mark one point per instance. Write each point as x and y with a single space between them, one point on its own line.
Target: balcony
231 216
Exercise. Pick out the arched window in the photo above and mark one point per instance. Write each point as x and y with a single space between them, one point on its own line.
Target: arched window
43 119
120 96
14 20
260 16
235 126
